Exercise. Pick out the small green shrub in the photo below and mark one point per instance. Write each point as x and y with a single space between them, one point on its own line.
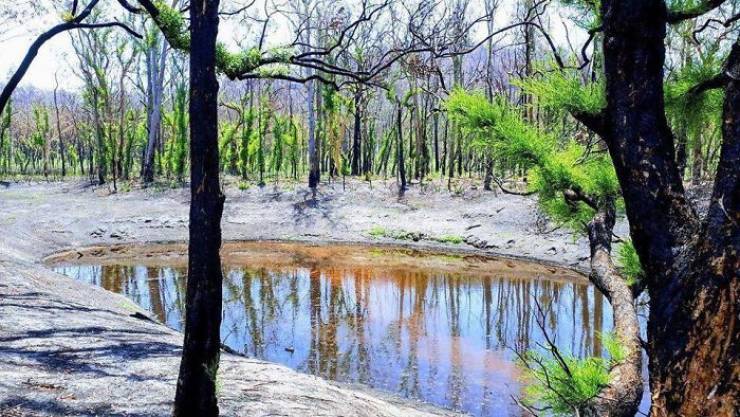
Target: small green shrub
569 384
377 232
454 239
629 263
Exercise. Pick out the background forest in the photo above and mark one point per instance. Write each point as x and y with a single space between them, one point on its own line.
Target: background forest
598 108
370 90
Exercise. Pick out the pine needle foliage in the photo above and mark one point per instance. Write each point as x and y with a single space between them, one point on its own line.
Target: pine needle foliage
695 110
564 91
565 383
629 263
497 126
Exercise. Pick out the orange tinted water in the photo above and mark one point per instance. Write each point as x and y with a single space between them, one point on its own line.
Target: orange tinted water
436 327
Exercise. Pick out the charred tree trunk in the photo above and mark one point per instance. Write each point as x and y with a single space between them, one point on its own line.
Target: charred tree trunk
691 268
695 342
357 137
196 385
401 162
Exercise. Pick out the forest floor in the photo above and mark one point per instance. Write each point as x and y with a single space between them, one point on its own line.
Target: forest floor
67 348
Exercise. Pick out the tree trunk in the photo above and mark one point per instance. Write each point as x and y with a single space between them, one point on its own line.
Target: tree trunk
314 170
196 385
488 161
357 139
691 269
100 152
155 63
621 398
401 163
59 128
697 160
695 342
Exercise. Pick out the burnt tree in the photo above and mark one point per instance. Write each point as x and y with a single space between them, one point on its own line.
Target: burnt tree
691 263
196 384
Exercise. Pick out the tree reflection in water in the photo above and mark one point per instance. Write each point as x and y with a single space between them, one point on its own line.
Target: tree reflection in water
437 335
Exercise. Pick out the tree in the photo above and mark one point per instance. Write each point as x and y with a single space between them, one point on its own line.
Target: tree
576 186
196 384
691 263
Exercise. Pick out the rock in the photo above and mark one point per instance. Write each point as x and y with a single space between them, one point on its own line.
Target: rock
472 226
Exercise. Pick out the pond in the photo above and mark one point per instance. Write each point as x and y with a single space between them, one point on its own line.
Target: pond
441 328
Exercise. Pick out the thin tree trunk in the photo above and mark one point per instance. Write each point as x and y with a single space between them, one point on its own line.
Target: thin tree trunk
357 137
401 162
59 128
155 87
196 385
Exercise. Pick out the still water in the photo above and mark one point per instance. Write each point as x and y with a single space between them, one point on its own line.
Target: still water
440 328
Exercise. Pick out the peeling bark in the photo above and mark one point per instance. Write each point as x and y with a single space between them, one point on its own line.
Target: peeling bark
621 398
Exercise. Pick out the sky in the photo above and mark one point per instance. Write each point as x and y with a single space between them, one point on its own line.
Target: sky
56 56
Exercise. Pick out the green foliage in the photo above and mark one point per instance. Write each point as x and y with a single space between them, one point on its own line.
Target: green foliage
564 91
233 64
272 63
695 111
41 119
227 136
279 133
688 6
454 239
172 25
377 231
5 121
551 385
67 17
246 136
589 12
614 347
629 263
566 385
497 126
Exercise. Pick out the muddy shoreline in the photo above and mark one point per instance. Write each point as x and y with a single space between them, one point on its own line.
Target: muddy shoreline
47 372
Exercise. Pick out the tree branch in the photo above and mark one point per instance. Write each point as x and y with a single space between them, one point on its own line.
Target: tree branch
678 16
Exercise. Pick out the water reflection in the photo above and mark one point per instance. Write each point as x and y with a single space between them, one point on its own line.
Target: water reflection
427 333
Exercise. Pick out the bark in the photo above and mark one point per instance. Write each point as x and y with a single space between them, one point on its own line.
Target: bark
155 63
59 128
314 171
196 385
401 162
357 136
696 348
621 398
488 161
691 268
100 152
697 160
435 130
